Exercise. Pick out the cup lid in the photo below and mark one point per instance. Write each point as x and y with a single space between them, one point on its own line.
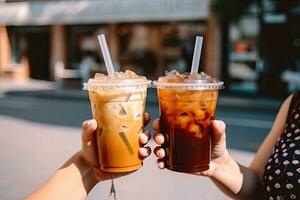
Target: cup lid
129 83
200 84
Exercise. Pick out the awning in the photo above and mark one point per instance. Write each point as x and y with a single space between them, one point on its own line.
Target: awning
101 11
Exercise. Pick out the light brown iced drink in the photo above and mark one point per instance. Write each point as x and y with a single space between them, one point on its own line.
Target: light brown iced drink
187 107
118 104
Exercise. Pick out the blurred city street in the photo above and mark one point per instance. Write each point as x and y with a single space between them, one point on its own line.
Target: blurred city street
49 48
40 130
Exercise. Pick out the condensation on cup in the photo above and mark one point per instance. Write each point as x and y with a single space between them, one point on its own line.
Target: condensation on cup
118 104
187 108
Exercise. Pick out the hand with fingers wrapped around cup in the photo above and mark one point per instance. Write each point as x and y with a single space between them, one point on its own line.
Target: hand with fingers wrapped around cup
223 170
218 150
89 149
82 171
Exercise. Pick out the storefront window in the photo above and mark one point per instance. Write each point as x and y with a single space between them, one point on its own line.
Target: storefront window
83 47
178 45
18 44
150 49
244 62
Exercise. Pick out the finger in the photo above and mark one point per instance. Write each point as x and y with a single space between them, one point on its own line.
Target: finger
219 135
144 152
159 138
88 129
147 119
159 152
155 125
144 137
160 164
201 173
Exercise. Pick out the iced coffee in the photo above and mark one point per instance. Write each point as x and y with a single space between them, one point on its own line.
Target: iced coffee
118 104
187 108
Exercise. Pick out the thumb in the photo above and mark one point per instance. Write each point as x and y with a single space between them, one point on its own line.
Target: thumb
219 135
88 129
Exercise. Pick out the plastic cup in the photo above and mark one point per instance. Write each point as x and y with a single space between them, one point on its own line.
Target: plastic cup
186 114
118 109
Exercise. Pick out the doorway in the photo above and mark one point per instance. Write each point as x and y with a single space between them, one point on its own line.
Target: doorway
38 54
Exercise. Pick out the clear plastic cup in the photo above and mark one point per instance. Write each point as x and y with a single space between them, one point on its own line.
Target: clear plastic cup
186 113
118 107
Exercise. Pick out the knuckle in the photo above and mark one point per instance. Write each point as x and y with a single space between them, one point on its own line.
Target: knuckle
84 123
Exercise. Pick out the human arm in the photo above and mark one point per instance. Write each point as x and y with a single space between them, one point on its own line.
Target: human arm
235 180
72 181
266 148
81 173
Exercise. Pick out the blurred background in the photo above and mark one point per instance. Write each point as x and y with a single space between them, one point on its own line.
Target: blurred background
49 48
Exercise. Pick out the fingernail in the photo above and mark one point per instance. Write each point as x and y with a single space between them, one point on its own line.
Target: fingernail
159 154
160 165
147 152
144 138
143 152
90 122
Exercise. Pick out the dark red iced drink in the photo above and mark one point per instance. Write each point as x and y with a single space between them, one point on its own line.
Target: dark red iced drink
187 108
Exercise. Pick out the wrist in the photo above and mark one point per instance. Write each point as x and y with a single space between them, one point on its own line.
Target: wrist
87 172
222 164
227 171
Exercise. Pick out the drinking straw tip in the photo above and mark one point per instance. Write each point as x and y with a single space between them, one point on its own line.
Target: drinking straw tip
197 54
106 55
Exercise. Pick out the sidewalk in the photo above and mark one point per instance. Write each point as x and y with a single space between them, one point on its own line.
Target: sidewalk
8 84
31 152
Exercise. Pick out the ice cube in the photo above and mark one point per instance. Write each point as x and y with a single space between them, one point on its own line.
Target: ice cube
116 75
130 74
207 115
127 97
122 75
138 116
203 106
100 76
199 114
184 114
122 111
183 119
137 109
197 130
112 107
175 79
172 73
126 142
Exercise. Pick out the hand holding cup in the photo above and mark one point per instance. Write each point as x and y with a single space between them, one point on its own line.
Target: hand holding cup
218 151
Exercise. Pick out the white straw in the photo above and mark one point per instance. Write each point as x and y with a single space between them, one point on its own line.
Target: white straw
197 54
105 53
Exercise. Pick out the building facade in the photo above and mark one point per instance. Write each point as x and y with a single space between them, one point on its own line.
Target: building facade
248 46
148 37
261 41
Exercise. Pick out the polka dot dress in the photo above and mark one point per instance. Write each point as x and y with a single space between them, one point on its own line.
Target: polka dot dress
282 172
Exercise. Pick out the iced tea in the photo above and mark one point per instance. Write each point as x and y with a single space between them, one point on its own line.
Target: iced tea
187 108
